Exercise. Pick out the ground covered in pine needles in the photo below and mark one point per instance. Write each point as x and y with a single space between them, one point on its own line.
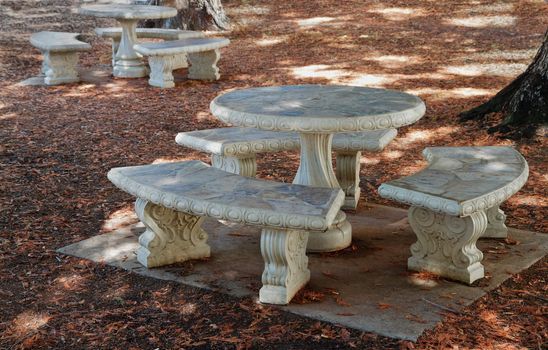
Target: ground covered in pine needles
59 142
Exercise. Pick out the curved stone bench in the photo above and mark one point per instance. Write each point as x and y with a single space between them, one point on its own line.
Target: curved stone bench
454 201
203 54
61 51
174 198
115 34
234 150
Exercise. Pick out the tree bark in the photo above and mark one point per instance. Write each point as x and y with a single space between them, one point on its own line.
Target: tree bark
525 100
192 15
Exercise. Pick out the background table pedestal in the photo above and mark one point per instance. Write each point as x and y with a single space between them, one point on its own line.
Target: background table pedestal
128 62
316 169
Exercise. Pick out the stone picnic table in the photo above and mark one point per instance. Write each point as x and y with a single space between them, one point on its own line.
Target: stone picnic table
128 61
317 112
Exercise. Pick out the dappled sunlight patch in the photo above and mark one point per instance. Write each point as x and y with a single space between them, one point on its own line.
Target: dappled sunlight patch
368 160
312 22
423 279
172 159
378 80
318 71
71 283
492 69
27 323
522 199
118 219
7 116
513 55
442 94
424 135
395 61
482 21
203 116
398 13
270 41
392 154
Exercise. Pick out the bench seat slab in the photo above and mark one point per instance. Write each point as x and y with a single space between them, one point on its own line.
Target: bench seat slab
234 150
174 198
454 201
60 51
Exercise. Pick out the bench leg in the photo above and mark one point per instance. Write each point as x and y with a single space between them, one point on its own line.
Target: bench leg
285 265
241 166
495 224
161 71
348 175
60 67
180 61
170 236
203 65
446 245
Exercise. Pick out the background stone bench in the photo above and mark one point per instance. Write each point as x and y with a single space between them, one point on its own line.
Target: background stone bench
60 52
454 201
115 34
234 150
174 198
203 54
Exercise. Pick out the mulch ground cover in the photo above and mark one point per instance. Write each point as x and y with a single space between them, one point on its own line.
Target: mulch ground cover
59 142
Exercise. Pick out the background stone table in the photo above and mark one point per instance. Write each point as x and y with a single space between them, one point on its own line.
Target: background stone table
128 62
317 112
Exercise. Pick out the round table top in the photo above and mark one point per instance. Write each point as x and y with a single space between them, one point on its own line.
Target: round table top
123 11
318 108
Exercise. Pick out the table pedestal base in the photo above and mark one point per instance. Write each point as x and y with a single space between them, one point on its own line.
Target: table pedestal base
128 63
337 237
316 169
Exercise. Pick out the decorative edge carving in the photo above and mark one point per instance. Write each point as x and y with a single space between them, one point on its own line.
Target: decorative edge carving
348 175
250 216
496 228
442 205
161 68
370 141
60 67
285 265
446 244
317 125
242 166
170 236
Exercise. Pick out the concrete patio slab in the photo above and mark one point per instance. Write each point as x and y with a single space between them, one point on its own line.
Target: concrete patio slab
366 287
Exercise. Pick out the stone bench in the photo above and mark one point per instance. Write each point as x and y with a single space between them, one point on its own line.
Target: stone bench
61 51
174 198
115 34
203 54
234 150
454 201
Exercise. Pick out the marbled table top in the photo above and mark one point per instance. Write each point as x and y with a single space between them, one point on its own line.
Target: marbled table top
199 189
318 108
123 11
461 180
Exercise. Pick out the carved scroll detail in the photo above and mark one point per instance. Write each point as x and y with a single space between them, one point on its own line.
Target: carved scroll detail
171 236
286 264
446 245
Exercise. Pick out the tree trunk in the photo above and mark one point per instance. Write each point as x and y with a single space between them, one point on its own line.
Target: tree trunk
525 100
192 15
